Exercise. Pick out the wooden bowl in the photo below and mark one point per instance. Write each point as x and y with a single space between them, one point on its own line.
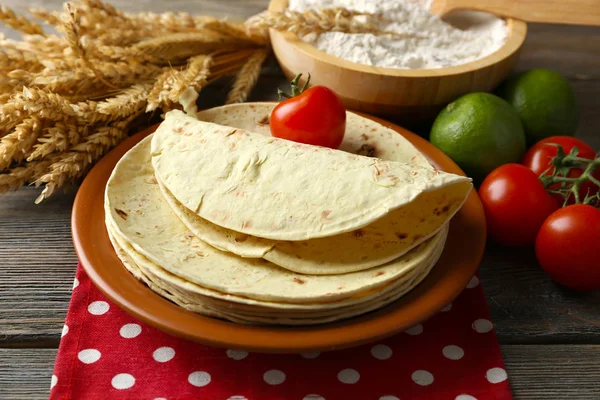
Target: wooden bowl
409 94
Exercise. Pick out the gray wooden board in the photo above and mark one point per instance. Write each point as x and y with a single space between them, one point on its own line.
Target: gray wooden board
535 319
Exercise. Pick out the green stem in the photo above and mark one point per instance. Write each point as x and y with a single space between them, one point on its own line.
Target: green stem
560 179
594 180
570 186
296 91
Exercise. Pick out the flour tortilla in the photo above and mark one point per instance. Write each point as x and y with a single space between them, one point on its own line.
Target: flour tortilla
172 289
281 190
376 244
198 293
136 208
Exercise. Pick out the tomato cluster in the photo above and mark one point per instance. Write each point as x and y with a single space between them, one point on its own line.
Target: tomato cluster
521 211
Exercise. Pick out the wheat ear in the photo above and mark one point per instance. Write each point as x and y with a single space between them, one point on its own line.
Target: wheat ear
19 176
19 22
247 77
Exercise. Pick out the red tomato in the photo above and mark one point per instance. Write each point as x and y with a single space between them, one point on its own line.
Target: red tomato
540 155
568 247
316 116
516 204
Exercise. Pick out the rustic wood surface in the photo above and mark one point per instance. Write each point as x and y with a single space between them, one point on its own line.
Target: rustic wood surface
550 336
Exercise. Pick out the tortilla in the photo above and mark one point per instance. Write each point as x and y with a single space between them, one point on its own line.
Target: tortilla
186 294
386 239
139 213
281 190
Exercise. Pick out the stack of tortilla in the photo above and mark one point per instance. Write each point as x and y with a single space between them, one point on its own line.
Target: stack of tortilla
219 217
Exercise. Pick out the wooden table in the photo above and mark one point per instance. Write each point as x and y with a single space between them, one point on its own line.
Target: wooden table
550 337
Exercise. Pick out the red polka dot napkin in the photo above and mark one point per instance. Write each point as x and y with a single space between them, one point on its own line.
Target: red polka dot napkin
107 354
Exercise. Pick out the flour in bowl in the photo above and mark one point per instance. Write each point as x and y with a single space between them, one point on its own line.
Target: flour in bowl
438 44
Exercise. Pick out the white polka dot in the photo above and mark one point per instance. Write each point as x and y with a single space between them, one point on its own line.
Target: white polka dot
64 331
238 398
274 377
199 378
122 381
389 398
163 354
348 376
381 352
482 325
88 356
237 354
453 352
98 307
129 331
496 375
465 397
313 397
473 283
311 355
75 283
160 398
422 377
415 330
447 308
53 381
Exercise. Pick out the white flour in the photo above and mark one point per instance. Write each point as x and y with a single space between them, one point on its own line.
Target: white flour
440 44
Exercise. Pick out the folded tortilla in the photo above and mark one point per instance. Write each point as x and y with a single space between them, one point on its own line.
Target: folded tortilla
378 243
276 189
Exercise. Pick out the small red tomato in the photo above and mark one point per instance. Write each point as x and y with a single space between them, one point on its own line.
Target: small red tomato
314 116
539 158
568 247
516 204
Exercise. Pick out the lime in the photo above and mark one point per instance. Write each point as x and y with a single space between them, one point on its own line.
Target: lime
480 132
545 102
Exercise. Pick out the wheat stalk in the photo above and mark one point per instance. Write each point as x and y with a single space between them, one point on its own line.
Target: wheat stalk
82 79
247 77
194 76
49 17
317 22
72 36
15 146
183 45
37 101
237 31
159 91
74 164
19 22
19 176
58 138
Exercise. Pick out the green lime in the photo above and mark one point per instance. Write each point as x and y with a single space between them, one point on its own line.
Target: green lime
480 132
545 102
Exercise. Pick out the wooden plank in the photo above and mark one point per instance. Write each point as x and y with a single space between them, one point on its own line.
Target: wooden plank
25 373
37 265
554 372
527 307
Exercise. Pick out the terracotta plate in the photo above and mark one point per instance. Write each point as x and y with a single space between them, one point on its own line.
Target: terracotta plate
461 257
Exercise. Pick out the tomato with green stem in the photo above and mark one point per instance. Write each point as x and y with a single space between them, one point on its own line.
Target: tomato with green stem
313 116
568 247
541 159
